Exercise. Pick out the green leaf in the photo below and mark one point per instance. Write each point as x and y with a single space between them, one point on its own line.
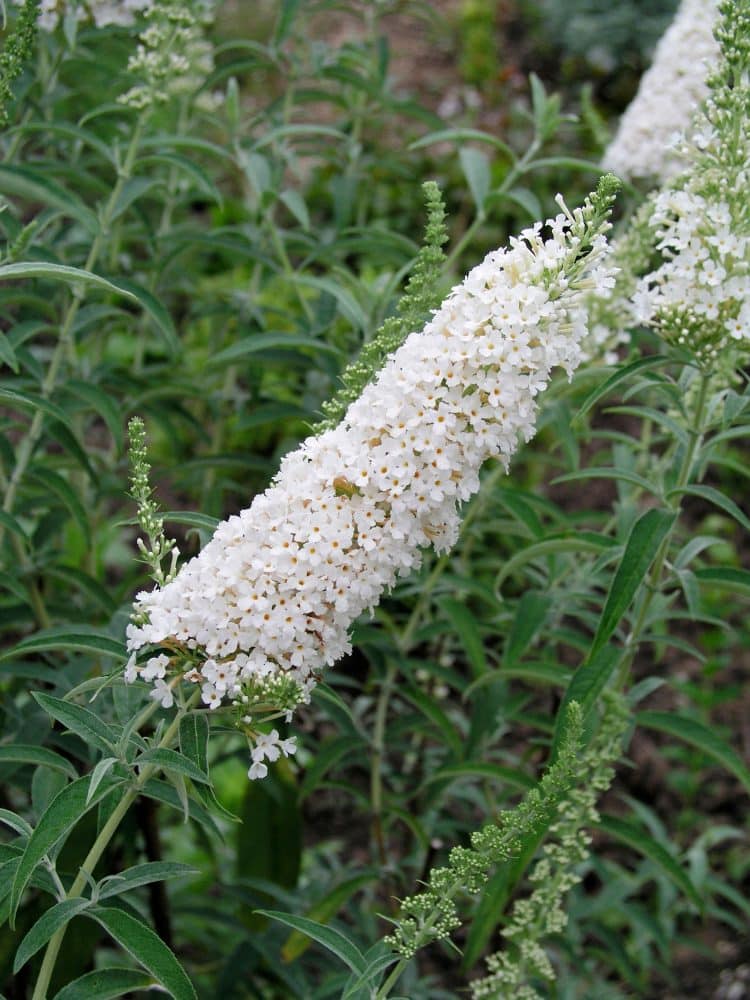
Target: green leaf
551 546
147 949
726 578
200 178
150 871
715 497
79 720
432 710
586 685
632 835
699 736
269 840
155 310
349 308
7 354
330 938
267 341
49 923
162 791
462 135
34 186
133 189
296 205
22 754
103 404
67 131
9 522
171 760
476 168
478 769
644 540
523 197
301 131
56 485
60 272
466 627
539 672
15 822
331 751
106 984
607 473
530 617
62 814
163 141
194 733
103 767
324 910
193 519
286 12
82 640
621 375
32 402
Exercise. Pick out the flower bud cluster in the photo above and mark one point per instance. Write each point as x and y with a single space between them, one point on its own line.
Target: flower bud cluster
275 591
432 914
667 98
541 914
173 57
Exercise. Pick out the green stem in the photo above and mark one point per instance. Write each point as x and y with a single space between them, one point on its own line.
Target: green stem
376 767
653 584
99 846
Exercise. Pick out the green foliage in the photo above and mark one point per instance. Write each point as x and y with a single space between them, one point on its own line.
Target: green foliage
211 255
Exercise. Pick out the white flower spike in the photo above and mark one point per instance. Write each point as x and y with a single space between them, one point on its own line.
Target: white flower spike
267 604
668 96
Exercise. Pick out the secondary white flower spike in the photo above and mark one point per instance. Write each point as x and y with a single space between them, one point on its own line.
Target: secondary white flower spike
668 95
698 297
104 12
268 603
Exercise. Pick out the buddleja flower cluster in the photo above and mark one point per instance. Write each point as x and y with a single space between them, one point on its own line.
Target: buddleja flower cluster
667 99
173 58
698 296
103 12
266 606
512 971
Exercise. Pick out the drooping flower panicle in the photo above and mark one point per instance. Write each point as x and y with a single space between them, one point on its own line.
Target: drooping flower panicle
267 604
668 97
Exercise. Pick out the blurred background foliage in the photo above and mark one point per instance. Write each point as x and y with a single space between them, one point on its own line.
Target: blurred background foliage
266 229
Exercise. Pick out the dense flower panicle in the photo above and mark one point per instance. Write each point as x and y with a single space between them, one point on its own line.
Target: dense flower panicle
667 98
698 294
267 604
